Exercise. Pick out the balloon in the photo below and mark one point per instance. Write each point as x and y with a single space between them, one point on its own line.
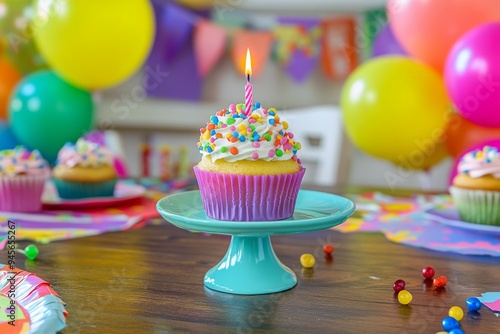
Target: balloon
7 139
17 36
385 44
46 112
94 44
472 75
8 79
396 109
460 134
428 29
492 142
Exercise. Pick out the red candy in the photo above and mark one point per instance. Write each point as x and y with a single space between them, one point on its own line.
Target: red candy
399 285
328 249
428 272
440 281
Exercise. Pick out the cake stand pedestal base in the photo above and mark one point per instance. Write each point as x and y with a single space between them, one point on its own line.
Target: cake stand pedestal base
250 267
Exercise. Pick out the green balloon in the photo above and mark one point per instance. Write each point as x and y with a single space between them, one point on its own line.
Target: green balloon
46 112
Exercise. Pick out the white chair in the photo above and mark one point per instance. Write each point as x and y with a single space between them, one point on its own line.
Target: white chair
325 148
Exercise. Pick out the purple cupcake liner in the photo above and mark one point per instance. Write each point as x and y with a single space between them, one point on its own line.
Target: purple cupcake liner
21 193
234 197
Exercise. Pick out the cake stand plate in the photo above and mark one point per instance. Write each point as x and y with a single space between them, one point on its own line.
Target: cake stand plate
250 265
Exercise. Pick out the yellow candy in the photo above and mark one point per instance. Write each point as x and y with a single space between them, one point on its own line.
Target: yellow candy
307 260
456 312
285 124
404 297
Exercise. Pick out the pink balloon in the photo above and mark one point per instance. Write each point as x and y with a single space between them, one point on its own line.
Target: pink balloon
472 75
453 171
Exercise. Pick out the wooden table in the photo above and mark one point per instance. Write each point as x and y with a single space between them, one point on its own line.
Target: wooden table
150 280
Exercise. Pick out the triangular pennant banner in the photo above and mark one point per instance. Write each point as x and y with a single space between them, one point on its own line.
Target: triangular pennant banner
259 43
297 46
176 78
339 56
175 26
209 45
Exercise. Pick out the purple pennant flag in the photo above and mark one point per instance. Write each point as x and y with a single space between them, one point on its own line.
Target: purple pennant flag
173 53
301 63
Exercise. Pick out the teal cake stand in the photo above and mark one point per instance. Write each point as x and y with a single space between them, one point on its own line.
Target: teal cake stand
250 265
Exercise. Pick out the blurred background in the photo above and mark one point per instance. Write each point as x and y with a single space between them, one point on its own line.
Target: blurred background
382 93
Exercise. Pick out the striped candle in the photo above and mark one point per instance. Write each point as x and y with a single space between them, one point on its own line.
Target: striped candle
248 86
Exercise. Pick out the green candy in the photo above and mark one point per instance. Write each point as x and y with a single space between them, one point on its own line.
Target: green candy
31 252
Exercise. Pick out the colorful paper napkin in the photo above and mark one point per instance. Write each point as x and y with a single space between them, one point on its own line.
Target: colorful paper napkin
404 220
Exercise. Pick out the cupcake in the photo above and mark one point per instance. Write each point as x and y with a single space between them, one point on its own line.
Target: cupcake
84 169
476 187
22 179
249 170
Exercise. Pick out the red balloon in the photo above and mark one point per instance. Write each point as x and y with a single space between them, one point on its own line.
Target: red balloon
9 77
428 29
461 134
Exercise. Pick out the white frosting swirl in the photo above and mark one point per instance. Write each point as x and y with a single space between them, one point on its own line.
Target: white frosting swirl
233 136
85 154
482 162
20 161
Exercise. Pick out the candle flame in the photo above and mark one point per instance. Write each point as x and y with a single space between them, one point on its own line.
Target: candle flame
248 66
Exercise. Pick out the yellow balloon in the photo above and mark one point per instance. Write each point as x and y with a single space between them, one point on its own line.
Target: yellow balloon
397 109
94 44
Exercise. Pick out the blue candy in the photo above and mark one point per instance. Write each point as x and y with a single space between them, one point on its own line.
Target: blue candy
473 304
456 331
450 323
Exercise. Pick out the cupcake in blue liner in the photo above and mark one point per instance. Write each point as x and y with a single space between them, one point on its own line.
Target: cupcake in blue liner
83 170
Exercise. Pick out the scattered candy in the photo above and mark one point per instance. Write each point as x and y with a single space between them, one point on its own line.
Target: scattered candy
456 331
428 272
404 297
31 251
307 260
473 304
456 312
328 249
450 323
440 281
399 285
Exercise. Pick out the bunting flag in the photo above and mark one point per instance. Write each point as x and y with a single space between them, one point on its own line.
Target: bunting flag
171 68
339 55
176 27
259 42
374 21
297 46
209 45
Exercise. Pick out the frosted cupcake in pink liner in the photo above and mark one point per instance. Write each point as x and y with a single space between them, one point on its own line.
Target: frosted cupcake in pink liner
249 170
22 179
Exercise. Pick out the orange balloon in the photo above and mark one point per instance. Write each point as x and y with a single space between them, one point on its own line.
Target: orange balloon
461 134
429 29
8 79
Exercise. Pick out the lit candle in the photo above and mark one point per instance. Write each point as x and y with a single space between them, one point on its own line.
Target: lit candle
248 86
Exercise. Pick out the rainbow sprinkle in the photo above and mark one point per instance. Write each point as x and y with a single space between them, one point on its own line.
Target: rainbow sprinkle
282 141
